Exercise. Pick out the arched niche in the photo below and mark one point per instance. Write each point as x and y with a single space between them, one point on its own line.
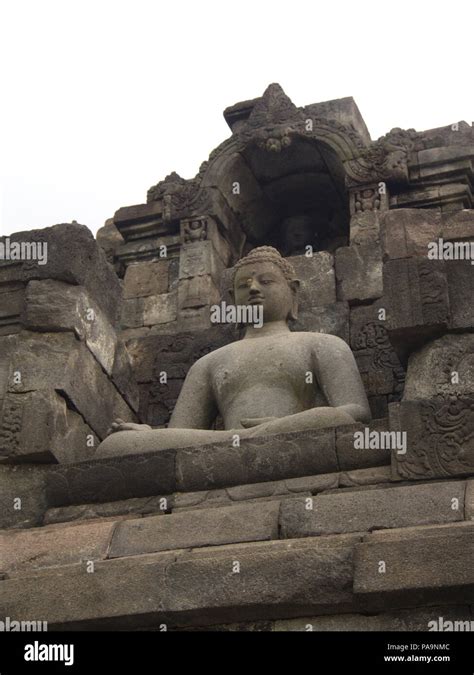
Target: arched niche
288 199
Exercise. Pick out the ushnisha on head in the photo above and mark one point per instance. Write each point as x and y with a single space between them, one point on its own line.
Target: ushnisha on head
265 277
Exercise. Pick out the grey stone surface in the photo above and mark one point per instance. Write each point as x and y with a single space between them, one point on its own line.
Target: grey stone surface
38 426
407 232
469 513
22 496
379 366
359 273
442 367
416 292
146 278
379 508
73 256
25 550
272 458
206 527
351 457
276 580
418 570
359 477
59 361
399 621
331 319
158 309
317 277
123 376
138 506
55 306
365 227
439 433
112 479
460 274
12 297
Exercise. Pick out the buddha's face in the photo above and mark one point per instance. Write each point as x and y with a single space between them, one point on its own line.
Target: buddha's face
264 283
297 233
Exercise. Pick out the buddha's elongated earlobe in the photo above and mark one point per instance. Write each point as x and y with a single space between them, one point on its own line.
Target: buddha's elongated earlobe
293 313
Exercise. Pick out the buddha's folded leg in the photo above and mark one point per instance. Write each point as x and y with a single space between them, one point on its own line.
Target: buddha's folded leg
314 418
137 442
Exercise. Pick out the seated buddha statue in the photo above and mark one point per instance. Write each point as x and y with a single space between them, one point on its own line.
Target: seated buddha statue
271 381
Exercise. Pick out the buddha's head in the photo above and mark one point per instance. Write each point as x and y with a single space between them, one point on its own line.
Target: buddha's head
297 233
265 278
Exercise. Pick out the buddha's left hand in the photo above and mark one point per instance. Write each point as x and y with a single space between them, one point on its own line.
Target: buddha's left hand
249 422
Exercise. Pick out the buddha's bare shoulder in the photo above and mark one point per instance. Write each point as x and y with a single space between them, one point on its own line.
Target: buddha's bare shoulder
324 342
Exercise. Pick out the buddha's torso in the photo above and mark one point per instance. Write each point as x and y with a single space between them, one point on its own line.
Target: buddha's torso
265 377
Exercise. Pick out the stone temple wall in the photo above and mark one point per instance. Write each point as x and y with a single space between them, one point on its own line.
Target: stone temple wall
285 531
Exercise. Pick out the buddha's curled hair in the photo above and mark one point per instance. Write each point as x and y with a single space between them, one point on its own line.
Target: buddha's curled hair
266 254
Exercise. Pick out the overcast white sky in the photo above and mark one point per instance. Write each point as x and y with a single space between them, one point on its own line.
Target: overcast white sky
100 100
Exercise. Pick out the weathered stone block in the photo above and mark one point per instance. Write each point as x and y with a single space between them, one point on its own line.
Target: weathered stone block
173 354
460 274
132 313
38 426
442 367
416 292
276 579
107 480
158 400
200 259
440 437
146 278
469 506
365 227
73 256
376 508
418 569
148 249
141 506
205 229
458 225
332 319
135 222
159 309
317 277
205 527
349 453
123 376
359 477
197 292
55 306
273 457
8 345
22 496
11 307
59 361
359 273
23 551
379 365
402 620
408 232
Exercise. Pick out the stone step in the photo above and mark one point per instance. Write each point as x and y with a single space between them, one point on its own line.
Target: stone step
356 510
258 581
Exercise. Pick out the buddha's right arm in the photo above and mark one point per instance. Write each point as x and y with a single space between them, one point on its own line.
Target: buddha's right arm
195 407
